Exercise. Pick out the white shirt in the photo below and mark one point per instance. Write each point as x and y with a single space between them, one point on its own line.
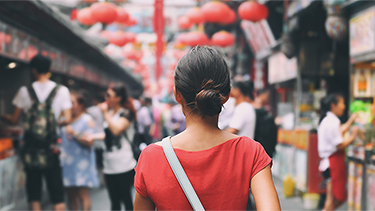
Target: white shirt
119 160
226 114
144 119
61 101
243 120
329 136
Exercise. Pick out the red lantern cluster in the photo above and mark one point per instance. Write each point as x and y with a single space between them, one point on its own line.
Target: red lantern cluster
231 18
184 22
84 16
223 39
194 38
104 12
132 21
253 11
215 12
133 54
122 15
119 38
195 15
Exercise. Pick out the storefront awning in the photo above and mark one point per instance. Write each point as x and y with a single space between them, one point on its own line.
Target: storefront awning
47 23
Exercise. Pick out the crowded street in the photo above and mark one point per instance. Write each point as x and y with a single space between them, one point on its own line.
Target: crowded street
187 105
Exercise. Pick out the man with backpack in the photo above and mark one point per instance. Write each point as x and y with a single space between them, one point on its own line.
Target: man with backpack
265 127
43 102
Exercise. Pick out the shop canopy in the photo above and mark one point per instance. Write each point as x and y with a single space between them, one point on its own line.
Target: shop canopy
46 23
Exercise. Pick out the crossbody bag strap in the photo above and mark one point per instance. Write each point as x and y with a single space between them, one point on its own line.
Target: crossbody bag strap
181 175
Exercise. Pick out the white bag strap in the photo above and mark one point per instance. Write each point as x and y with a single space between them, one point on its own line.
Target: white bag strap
181 175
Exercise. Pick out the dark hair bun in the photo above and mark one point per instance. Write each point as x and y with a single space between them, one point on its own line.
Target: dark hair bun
209 102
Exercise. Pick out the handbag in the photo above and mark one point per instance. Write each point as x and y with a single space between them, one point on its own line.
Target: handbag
180 174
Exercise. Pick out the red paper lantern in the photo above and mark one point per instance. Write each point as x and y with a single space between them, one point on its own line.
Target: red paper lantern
84 16
132 21
104 12
195 15
130 36
122 15
215 12
253 11
73 14
223 39
133 54
184 22
232 17
118 38
197 38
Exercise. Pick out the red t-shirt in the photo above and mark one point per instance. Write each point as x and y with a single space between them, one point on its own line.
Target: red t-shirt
220 175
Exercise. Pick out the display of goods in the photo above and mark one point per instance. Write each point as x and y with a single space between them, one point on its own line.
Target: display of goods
336 27
195 15
84 16
223 39
104 12
184 22
301 139
215 12
253 11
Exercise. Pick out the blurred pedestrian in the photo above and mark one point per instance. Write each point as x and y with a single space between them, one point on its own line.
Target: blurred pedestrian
178 121
243 119
78 155
144 120
98 118
221 166
265 127
119 162
331 147
226 115
43 102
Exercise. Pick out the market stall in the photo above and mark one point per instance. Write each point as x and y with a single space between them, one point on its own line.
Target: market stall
361 153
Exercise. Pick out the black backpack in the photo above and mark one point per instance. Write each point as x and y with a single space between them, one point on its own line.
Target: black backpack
266 131
40 137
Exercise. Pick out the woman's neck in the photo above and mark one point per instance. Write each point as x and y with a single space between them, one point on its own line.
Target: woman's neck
77 116
116 108
241 99
43 78
200 124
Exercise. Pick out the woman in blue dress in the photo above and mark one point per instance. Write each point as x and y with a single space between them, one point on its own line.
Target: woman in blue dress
78 155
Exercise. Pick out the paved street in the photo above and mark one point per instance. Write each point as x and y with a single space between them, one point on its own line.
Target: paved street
100 200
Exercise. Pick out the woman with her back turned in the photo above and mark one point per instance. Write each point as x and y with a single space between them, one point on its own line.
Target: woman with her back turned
220 166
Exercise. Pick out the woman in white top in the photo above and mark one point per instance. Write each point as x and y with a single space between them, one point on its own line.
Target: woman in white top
243 120
331 146
119 114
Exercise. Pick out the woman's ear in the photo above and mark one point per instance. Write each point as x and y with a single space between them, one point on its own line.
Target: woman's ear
177 95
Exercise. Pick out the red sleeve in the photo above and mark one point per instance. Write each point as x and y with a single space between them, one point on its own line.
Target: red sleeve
261 160
139 182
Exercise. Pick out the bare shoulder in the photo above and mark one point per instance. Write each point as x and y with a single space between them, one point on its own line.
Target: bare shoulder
158 143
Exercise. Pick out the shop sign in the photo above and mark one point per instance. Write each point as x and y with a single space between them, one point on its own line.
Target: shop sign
281 68
259 36
362 32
